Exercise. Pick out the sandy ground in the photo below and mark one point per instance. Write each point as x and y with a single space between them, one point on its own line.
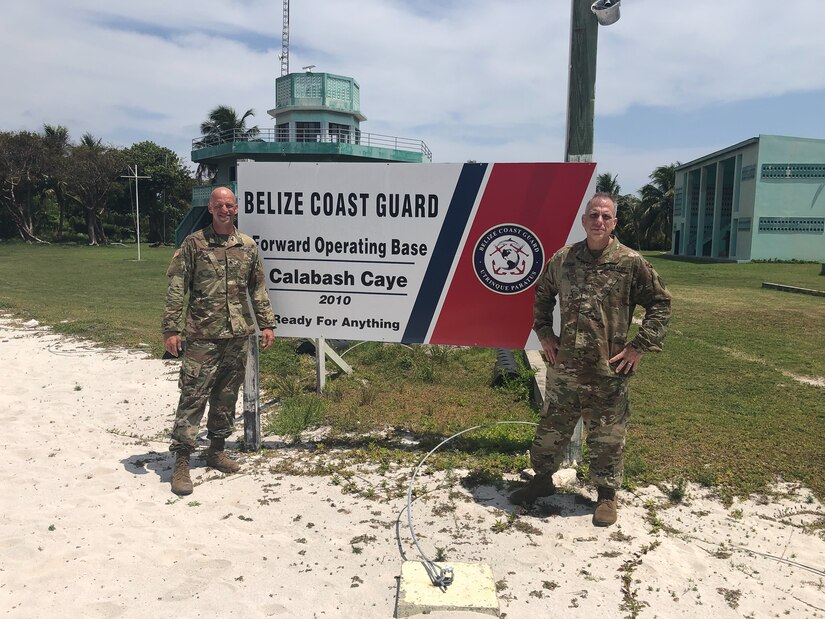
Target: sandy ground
89 528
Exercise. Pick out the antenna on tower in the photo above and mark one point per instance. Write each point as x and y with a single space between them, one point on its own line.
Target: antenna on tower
285 41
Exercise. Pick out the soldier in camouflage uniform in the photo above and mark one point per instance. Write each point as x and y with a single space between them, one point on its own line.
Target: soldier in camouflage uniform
598 283
216 266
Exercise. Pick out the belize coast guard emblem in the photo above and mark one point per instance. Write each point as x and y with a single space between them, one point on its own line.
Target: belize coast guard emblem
508 258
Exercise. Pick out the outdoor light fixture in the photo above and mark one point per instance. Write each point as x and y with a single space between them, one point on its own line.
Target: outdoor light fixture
606 11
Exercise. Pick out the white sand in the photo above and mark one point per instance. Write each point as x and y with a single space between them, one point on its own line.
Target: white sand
89 528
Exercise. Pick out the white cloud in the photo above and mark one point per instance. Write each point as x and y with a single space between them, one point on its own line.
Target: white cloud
476 79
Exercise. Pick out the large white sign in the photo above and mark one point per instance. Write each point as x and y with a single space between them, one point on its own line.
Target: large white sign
438 253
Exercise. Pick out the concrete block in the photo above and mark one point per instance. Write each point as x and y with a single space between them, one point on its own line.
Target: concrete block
564 477
473 590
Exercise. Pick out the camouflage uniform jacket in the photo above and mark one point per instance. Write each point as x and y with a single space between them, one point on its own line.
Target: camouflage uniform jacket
597 296
217 271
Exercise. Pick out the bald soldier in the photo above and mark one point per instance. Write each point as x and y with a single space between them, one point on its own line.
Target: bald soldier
597 284
216 266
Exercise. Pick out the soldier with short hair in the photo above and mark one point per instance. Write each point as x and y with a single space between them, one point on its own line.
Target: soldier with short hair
216 266
598 283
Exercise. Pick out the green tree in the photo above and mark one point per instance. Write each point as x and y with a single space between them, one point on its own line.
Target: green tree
164 196
94 169
657 207
22 161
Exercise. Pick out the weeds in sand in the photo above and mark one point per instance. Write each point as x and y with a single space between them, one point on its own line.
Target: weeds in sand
610 554
442 509
296 415
678 491
731 596
630 602
193 504
618 536
359 540
655 521
500 526
440 554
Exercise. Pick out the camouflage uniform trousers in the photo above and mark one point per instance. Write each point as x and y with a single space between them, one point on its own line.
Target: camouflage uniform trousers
603 404
212 370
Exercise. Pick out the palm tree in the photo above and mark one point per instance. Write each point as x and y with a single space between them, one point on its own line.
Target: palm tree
56 141
657 206
629 220
608 184
223 125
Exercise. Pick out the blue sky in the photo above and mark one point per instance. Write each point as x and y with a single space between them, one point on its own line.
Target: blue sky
475 79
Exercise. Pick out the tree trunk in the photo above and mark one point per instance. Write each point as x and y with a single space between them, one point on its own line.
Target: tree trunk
90 225
60 197
20 216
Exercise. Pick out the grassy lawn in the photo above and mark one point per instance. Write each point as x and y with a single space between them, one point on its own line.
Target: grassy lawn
100 293
725 405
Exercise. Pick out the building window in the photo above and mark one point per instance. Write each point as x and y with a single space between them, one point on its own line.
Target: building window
804 225
339 132
678 196
307 132
282 132
793 170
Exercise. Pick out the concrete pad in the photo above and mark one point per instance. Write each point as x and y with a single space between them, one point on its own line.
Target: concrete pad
472 590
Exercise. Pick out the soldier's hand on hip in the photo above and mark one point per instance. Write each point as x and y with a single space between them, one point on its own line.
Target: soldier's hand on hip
628 360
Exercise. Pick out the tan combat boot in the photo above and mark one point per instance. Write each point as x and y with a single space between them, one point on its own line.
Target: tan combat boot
181 482
217 458
606 505
539 486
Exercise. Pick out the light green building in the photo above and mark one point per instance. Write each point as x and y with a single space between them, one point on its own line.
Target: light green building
317 117
761 199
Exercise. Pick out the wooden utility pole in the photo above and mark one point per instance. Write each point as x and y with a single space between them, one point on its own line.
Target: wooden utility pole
581 83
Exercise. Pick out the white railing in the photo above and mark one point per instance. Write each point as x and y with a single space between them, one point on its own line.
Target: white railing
309 136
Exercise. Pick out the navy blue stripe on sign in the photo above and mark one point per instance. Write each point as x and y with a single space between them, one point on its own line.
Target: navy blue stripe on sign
461 205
